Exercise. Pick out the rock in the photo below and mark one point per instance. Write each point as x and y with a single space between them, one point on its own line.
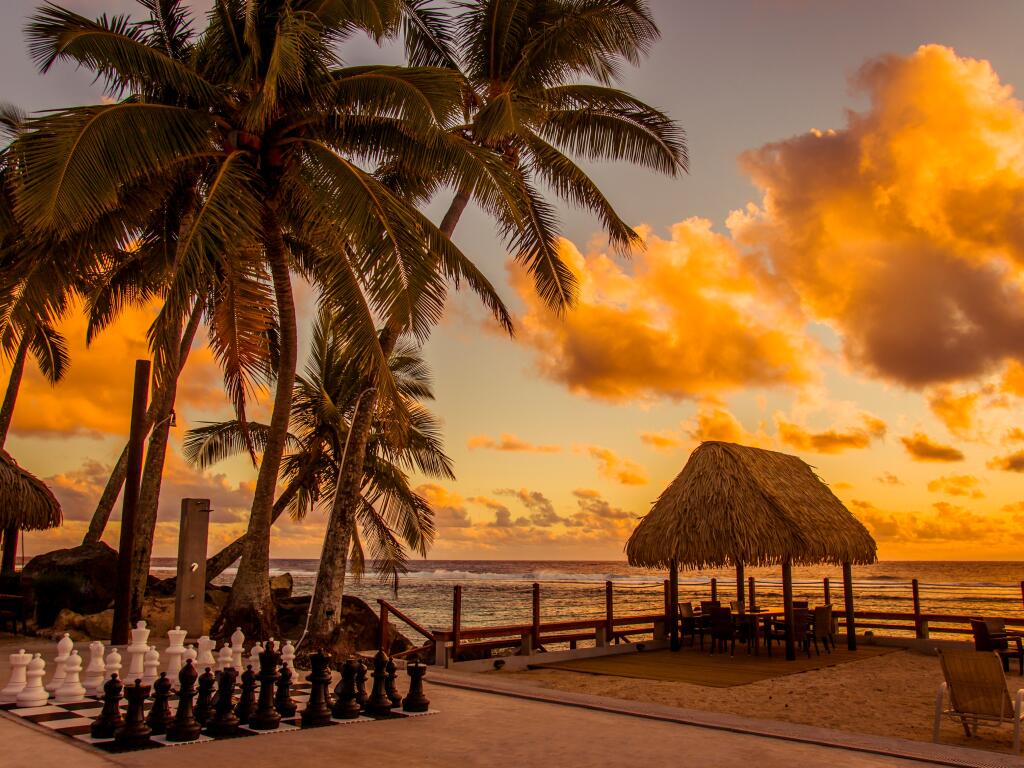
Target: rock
67 621
218 597
358 631
281 586
81 578
161 587
98 625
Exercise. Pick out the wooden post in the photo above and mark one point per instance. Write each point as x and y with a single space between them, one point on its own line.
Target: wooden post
124 611
750 594
668 603
787 603
739 585
828 590
920 625
714 588
609 612
535 628
851 629
10 550
456 621
382 629
190 586
1022 592
673 607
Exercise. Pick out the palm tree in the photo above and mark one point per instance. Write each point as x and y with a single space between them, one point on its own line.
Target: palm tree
392 516
272 128
522 64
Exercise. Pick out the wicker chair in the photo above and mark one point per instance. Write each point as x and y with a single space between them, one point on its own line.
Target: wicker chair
990 635
977 693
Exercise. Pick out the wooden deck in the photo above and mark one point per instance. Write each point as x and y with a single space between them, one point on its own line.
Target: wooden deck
718 671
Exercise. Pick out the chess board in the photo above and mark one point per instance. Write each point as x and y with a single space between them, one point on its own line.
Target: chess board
74 720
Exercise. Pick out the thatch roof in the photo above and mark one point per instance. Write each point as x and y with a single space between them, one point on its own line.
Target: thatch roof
735 504
25 501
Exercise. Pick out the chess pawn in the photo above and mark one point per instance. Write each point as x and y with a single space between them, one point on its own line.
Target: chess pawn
247 700
283 702
33 694
190 654
345 705
288 654
109 719
361 683
379 703
95 672
225 658
16 682
254 655
175 651
71 689
185 727
160 713
317 712
205 656
224 722
112 665
151 666
204 697
134 733
237 648
64 646
415 701
391 684
265 718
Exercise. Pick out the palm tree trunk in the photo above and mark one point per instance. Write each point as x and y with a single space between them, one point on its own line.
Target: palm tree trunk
325 609
152 474
13 385
250 605
454 212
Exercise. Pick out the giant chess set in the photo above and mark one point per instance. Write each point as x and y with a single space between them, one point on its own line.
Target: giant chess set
179 705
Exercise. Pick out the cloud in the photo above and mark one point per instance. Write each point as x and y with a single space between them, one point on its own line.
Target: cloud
831 440
660 441
888 478
713 421
957 485
1014 435
923 448
502 514
449 507
596 514
510 443
614 467
1012 462
902 229
684 320
949 523
955 411
542 511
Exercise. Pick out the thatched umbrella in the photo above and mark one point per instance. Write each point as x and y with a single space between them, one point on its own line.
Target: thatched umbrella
733 505
26 504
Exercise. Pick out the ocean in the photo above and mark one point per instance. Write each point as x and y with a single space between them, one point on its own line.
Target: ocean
497 592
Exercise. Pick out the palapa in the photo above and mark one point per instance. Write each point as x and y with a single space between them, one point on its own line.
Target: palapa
733 505
25 502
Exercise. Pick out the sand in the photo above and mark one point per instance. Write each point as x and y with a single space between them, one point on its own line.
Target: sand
891 695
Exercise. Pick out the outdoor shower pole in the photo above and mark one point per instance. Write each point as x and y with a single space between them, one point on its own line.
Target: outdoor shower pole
123 608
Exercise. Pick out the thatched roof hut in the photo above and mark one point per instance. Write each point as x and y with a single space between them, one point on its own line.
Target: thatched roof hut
735 505
25 502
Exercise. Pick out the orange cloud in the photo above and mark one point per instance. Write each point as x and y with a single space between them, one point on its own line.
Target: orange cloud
902 229
449 507
955 411
1012 462
713 421
949 523
613 467
888 478
957 485
660 441
923 448
831 440
685 320
510 443
1013 379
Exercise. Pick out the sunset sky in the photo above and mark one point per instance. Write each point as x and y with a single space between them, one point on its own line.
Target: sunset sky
840 276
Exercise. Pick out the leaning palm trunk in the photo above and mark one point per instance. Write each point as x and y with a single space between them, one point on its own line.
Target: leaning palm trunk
13 385
250 605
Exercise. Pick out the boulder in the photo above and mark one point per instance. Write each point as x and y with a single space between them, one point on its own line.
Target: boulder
98 625
358 631
81 578
68 621
281 586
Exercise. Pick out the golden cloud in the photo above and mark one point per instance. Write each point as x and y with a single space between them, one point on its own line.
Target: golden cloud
831 440
957 485
1011 462
660 441
713 421
685 320
614 467
923 448
509 443
448 507
955 411
949 523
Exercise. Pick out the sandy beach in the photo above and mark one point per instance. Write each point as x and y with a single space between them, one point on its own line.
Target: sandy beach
890 695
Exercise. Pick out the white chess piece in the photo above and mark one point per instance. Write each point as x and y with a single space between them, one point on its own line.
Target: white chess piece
137 652
205 657
175 651
71 689
151 666
254 655
94 679
237 648
226 658
34 694
288 654
112 666
189 655
16 682
64 646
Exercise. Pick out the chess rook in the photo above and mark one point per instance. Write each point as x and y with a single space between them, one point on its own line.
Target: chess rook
415 701
19 677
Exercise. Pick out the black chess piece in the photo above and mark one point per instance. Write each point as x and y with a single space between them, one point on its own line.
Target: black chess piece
134 733
247 701
345 705
317 712
361 684
379 703
160 713
204 698
415 701
224 721
391 684
185 727
283 701
110 718
266 718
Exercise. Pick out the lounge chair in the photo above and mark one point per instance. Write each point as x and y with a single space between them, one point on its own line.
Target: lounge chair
990 635
977 693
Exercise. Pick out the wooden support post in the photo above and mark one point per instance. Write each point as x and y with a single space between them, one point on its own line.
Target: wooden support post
739 585
851 629
382 629
1022 592
609 612
750 594
190 586
828 590
920 625
673 608
787 602
714 588
10 550
456 621
668 605
535 624
124 610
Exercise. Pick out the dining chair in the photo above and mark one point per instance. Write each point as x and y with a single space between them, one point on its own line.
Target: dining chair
723 630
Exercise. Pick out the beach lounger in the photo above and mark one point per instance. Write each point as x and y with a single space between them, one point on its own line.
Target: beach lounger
977 693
